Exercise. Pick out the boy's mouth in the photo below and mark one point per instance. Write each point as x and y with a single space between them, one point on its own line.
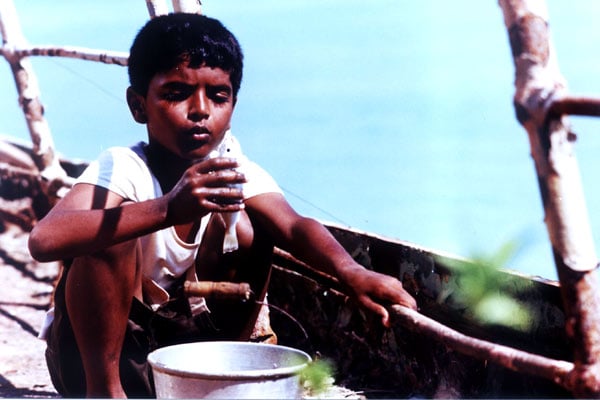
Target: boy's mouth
199 134
196 139
198 131
201 137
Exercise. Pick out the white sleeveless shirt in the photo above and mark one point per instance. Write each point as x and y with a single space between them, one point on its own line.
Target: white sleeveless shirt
124 171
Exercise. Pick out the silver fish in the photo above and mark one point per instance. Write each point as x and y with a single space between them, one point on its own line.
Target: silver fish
230 241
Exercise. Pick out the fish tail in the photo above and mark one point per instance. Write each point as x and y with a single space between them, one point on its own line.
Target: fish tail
230 242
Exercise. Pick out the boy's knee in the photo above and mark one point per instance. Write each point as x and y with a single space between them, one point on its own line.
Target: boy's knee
118 254
114 271
251 234
121 261
245 231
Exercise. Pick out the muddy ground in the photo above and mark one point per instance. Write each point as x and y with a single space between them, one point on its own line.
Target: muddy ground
25 294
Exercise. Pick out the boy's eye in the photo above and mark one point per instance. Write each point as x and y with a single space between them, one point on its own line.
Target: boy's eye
219 94
177 93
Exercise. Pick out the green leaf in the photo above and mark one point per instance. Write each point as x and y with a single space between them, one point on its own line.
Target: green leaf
499 309
317 377
486 293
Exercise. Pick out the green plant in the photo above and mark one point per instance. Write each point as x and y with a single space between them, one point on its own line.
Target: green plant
317 377
488 294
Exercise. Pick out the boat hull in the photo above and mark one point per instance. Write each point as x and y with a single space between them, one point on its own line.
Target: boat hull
399 362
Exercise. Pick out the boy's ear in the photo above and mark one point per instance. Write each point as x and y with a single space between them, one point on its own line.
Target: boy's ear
137 106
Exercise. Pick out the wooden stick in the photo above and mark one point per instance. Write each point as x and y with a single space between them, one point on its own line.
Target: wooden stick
516 360
59 183
571 105
81 53
13 155
219 290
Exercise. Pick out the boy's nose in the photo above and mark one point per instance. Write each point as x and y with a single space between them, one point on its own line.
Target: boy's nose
200 107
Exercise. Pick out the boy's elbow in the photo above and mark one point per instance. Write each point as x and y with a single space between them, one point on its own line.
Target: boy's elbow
39 247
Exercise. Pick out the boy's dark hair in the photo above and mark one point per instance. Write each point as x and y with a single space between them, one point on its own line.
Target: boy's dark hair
167 40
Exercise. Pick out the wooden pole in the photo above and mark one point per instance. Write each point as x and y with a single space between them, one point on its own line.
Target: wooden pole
157 7
28 90
539 85
188 6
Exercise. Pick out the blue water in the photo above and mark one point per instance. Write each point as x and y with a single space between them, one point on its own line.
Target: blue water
388 116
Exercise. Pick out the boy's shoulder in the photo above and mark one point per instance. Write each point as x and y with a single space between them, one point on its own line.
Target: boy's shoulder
123 170
136 148
134 152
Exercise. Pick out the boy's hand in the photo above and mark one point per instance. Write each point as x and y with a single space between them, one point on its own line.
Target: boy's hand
206 187
372 290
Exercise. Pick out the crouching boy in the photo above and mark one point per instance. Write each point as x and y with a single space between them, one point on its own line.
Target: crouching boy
143 220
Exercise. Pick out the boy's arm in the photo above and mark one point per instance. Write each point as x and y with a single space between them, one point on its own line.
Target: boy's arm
312 243
91 218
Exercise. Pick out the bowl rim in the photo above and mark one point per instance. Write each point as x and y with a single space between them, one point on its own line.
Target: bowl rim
270 373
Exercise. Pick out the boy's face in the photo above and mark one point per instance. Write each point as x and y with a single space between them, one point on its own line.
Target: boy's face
188 110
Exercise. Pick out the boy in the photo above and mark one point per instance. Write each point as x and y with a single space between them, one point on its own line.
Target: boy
142 220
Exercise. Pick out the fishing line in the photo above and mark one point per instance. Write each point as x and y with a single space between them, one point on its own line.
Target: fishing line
120 100
314 206
291 317
88 80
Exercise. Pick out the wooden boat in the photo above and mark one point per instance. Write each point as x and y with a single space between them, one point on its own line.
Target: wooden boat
442 351
310 312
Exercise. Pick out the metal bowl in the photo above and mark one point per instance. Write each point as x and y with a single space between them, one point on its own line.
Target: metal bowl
227 370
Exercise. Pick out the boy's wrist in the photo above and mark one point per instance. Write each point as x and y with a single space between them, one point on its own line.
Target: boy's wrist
347 271
166 214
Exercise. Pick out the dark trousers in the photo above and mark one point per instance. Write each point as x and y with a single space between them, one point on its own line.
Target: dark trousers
146 331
